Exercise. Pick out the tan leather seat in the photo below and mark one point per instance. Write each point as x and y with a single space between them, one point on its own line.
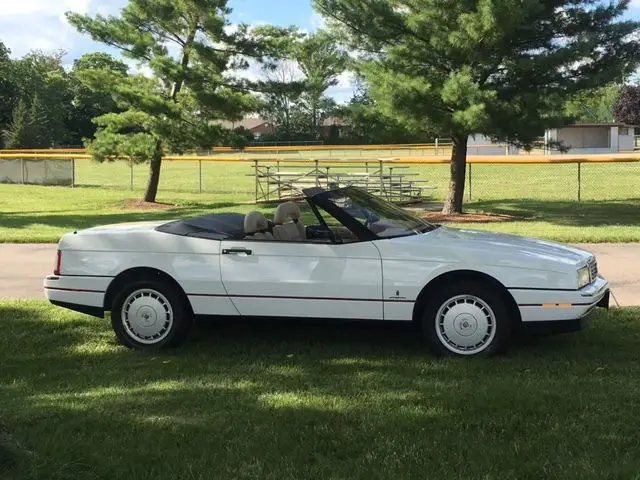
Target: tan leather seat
290 231
256 226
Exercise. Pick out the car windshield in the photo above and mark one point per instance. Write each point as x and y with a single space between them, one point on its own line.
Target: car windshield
383 218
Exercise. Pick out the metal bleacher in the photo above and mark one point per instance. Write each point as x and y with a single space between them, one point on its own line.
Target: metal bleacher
278 179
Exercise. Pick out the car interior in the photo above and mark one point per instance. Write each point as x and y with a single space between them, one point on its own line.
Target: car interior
287 226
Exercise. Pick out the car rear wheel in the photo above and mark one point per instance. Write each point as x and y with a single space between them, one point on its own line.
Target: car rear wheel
466 320
150 315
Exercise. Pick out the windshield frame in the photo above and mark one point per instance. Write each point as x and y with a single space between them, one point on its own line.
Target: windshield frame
323 200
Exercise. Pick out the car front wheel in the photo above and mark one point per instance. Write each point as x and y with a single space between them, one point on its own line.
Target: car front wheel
150 315
466 320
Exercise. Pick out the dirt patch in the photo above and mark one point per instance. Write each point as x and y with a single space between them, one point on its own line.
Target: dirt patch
142 205
438 217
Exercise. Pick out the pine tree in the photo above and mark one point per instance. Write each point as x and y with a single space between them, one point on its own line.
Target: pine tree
501 68
191 51
22 131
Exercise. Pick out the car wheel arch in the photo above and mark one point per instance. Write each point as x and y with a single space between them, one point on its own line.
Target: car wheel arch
138 274
459 275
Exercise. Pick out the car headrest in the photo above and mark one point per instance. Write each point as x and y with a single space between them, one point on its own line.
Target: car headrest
255 222
284 210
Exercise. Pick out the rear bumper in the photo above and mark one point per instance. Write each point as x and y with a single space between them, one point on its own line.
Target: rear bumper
93 311
80 294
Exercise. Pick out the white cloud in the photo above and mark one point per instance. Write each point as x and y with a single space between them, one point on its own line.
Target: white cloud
346 79
318 23
138 68
45 35
10 8
41 25
345 88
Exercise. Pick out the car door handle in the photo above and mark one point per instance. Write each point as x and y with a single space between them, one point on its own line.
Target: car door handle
236 251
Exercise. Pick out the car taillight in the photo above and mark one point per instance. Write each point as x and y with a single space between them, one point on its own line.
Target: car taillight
56 270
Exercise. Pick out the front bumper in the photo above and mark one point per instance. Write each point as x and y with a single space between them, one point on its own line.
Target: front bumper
561 305
596 290
605 302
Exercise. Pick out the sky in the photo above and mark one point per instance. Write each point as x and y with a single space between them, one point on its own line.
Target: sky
40 24
27 25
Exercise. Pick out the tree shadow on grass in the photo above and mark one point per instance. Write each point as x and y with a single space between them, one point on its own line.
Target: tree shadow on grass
587 213
317 400
290 399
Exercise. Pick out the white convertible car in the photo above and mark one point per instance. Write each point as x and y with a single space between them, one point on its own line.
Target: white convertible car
343 254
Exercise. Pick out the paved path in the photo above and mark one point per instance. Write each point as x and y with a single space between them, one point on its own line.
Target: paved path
22 268
620 264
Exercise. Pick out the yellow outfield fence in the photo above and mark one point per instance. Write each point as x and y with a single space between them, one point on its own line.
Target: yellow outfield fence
432 159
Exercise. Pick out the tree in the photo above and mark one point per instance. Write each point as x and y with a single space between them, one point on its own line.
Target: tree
366 123
627 110
594 106
8 89
321 61
187 46
294 89
42 76
282 89
493 67
22 131
89 103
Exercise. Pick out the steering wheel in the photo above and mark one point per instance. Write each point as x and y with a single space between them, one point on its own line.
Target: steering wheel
370 218
320 231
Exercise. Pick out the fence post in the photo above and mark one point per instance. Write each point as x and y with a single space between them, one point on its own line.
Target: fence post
470 181
255 167
200 175
579 181
22 165
73 173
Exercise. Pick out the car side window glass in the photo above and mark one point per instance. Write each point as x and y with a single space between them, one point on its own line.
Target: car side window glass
342 234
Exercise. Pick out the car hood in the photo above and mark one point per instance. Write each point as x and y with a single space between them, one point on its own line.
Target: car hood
498 246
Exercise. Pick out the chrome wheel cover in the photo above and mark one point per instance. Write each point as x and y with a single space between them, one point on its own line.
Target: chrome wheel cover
147 316
465 324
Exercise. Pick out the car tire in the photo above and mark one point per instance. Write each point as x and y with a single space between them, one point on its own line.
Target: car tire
466 319
150 315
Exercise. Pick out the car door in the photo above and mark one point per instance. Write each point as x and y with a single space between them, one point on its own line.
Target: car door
303 279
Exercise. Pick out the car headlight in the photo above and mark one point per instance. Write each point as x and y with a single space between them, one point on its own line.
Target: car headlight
584 277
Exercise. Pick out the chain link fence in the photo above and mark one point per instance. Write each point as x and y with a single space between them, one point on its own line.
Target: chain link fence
571 182
568 182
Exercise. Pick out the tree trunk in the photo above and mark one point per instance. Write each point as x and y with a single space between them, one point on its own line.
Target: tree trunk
156 160
154 174
453 204
316 133
184 62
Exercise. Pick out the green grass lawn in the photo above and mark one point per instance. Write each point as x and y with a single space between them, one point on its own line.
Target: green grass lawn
543 195
43 214
270 401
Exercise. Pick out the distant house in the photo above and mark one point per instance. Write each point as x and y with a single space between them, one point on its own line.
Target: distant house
257 126
591 138
332 127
